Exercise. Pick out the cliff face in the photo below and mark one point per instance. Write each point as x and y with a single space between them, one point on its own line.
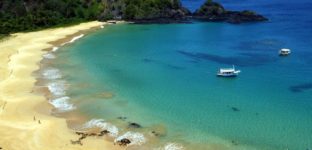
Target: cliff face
146 11
215 12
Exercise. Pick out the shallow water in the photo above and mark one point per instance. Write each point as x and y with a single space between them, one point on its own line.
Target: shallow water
164 78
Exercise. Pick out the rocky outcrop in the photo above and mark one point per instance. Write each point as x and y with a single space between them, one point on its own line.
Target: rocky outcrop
215 12
146 11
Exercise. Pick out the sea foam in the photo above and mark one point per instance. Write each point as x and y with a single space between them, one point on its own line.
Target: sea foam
54 49
48 56
58 88
51 73
62 104
173 146
134 137
100 123
73 39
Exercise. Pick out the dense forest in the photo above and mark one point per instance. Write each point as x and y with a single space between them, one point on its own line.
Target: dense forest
27 15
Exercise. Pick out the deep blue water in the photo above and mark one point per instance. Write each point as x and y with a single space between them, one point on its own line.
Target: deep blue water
164 75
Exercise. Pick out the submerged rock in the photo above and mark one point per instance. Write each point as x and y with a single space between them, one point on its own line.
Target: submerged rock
134 125
234 142
155 133
235 109
158 130
122 118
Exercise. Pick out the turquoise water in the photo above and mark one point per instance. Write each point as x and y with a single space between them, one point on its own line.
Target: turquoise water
165 76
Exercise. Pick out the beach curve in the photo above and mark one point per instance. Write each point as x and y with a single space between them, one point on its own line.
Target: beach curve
21 125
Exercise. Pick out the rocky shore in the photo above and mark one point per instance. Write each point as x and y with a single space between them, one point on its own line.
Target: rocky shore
215 12
210 12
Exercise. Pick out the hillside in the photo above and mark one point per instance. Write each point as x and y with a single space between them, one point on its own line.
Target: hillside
27 15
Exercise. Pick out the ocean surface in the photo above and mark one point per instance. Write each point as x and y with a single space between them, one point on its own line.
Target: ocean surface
163 77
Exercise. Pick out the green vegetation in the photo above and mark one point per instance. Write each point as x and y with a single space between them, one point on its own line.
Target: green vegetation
27 15
2 36
210 8
213 11
151 9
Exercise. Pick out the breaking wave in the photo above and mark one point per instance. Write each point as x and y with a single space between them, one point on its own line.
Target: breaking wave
58 88
54 49
62 104
73 39
51 73
48 56
173 146
100 123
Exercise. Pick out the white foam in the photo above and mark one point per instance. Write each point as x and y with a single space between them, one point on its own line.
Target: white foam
54 49
73 39
102 26
52 73
62 104
48 56
134 137
100 123
58 88
173 146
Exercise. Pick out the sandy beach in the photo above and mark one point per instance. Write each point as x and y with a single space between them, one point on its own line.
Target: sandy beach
22 127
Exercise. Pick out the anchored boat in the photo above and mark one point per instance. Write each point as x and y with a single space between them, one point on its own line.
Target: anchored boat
284 52
228 72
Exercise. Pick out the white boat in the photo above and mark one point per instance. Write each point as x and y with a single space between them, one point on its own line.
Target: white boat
284 52
228 72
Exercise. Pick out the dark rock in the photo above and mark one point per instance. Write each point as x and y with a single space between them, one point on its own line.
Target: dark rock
235 109
92 134
79 133
234 142
122 118
83 137
158 130
123 142
155 133
104 132
215 12
134 125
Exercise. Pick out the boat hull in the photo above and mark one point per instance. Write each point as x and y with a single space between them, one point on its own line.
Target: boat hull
227 75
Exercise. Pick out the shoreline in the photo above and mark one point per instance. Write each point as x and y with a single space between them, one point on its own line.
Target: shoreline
25 122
